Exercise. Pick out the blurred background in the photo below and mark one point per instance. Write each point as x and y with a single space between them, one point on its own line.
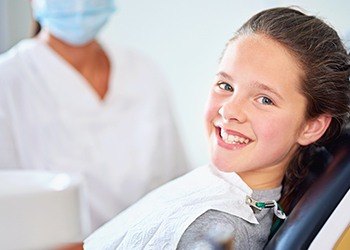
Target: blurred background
185 37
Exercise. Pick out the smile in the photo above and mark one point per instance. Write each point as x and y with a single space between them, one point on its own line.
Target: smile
232 139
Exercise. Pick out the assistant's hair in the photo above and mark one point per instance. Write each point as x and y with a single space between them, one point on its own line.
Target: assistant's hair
325 83
36 28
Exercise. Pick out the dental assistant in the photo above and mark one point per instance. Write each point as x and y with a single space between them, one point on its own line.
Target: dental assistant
71 104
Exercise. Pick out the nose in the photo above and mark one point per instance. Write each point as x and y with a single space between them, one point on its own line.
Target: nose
233 110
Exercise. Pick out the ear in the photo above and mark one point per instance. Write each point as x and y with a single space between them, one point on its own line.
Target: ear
314 129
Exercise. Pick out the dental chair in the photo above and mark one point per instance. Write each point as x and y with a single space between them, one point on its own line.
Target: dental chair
321 218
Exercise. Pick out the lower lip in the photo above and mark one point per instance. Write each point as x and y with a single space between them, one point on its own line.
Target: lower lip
225 145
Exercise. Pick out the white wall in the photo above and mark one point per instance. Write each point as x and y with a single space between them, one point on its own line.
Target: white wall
3 26
15 22
186 38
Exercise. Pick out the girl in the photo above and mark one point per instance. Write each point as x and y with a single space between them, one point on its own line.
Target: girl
281 90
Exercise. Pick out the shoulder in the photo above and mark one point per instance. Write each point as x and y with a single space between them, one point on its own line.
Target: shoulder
12 61
213 226
11 57
124 54
136 63
222 220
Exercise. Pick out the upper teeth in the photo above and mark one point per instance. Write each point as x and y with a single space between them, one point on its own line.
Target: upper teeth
232 139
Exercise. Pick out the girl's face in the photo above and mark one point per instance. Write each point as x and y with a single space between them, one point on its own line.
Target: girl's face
255 112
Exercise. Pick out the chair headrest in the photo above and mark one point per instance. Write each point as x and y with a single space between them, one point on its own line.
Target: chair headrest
331 174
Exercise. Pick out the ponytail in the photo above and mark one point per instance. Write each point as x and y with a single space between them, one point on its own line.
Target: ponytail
307 165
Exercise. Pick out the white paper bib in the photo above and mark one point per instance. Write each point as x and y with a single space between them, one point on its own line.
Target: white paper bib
159 219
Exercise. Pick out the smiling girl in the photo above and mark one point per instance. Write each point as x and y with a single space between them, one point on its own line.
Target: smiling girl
281 90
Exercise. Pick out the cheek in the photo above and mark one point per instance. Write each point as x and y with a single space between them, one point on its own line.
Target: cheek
266 132
277 130
211 111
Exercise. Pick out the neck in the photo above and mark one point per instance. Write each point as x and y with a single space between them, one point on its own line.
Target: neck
268 177
263 178
89 60
77 56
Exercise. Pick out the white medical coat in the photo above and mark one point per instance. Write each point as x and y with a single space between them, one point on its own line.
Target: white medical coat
51 119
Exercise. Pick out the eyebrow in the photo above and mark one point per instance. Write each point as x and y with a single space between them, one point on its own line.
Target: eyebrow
224 75
257 85
263 86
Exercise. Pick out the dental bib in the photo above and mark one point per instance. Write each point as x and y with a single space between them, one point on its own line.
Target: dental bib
159 219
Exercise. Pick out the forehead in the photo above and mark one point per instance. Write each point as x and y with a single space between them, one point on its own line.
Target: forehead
257 58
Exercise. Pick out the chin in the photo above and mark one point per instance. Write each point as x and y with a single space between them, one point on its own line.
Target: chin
222 165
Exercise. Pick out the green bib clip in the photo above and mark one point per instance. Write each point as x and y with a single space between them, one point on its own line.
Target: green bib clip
266 204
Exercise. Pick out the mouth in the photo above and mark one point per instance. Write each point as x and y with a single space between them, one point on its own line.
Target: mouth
230 137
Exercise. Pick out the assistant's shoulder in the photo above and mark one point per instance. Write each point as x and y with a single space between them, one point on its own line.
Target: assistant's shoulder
135 60
136 68
128 54
14 62
11 60
11 56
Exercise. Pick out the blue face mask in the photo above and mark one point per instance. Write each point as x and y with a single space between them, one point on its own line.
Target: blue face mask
75 22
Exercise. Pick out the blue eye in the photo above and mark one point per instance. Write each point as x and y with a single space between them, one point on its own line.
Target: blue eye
225 86
266 101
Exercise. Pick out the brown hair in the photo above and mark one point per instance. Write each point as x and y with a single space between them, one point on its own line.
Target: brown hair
325 62
36 28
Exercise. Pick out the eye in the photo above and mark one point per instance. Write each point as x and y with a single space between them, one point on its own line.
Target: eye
225 86
265 100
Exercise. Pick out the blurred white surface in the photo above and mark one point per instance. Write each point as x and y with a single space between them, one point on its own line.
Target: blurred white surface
39 210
